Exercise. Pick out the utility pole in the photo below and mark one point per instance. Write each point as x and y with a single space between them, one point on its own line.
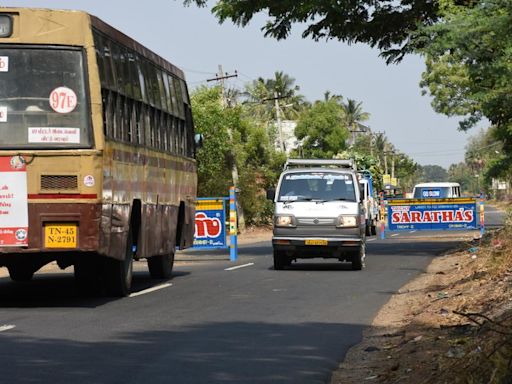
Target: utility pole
278 120
221 77
276 99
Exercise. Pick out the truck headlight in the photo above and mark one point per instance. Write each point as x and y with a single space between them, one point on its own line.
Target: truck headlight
345 221
285 221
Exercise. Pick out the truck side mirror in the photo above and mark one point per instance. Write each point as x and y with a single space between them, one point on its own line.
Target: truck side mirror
271 194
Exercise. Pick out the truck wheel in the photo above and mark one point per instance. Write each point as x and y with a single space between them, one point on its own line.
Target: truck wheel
160 267
280 260
118 273
21 272
358 258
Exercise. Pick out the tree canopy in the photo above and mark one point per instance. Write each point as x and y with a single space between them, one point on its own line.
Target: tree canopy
469 71
385 24
322 130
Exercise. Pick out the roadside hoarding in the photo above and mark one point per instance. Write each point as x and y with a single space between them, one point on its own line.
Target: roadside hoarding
432 214
210 223
13 202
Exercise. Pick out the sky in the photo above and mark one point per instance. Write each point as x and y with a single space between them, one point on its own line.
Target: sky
192 39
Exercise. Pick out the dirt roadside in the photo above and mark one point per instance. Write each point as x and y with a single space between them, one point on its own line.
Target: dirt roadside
452 324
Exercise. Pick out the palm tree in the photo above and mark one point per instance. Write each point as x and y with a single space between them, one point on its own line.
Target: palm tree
354 115
262 94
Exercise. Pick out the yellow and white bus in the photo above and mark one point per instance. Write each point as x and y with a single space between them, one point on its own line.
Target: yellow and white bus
97 150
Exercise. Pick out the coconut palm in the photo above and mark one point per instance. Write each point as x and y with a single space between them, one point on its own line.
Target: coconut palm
354 115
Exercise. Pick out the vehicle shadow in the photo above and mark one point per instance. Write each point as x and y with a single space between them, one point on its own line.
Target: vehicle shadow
59 290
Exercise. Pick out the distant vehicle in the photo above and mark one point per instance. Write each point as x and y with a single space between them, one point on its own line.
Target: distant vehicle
318 213
436 190
369 202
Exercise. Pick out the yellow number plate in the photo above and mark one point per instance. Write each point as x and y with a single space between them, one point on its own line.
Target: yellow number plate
316 242
61 235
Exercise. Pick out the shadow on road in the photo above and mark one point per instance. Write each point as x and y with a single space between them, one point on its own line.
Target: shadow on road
59 290
231 352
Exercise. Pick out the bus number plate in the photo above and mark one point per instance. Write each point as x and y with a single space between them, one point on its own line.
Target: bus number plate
61 235
316 242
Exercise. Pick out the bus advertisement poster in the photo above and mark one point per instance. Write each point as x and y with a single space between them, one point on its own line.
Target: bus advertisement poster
13 202
432 214
210 228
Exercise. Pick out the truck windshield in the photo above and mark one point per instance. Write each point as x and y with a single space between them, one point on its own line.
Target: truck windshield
43 102
319 186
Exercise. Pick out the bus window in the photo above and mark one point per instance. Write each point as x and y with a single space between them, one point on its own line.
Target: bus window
176 111
44 89
166 79
163 97
142 81
133 75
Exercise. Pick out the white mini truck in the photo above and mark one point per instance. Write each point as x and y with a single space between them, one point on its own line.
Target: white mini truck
318 213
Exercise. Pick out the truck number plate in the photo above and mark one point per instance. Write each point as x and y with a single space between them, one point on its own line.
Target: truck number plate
61 235
316 242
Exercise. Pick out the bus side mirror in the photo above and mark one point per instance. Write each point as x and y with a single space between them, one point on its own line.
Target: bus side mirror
361 192
198 140
271 194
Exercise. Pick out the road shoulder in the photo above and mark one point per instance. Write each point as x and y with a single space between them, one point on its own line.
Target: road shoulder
424 332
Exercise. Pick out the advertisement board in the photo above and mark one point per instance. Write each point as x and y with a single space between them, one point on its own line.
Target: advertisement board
432 214
210 223
13 202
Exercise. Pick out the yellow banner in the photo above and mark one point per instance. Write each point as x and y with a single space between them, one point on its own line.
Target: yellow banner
205 205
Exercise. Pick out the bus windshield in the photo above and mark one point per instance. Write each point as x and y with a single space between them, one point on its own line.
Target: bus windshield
43 102
318 186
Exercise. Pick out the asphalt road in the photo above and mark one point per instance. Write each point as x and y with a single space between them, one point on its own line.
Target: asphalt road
207 324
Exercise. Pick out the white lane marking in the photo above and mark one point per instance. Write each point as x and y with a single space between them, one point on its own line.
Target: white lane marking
149 290
239 266
394 234
4 328
412 231
371 239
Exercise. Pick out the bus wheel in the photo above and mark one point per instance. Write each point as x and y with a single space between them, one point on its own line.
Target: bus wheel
21 272
118 273
160 267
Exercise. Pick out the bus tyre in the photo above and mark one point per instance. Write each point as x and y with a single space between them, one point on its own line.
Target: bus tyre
119 273
160 267
357 258
280 260
21 272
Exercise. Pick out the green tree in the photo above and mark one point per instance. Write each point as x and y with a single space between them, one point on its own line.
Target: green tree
354 116
385 24
468 73
214 171
322 130
461 173
257 163
430 173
